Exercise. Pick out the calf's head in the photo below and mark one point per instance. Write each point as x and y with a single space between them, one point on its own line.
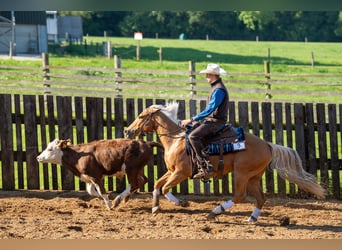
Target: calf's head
53 152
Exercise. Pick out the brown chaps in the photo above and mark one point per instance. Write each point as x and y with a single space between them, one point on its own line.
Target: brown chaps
199 135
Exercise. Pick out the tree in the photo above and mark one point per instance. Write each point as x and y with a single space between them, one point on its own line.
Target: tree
291 25
166 23
233 25
316 26
338 26
96 22
215 24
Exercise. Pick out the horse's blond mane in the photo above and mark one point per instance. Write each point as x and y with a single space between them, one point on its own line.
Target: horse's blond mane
170 110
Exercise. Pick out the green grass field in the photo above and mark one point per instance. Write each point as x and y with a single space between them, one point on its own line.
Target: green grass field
234 56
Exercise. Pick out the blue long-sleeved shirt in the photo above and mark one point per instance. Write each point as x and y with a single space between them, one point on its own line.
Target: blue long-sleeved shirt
215 101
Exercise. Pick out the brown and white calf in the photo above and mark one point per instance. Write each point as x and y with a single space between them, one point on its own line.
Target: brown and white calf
94 160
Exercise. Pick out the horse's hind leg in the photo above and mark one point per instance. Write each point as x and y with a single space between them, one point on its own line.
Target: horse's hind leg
240 184
254 188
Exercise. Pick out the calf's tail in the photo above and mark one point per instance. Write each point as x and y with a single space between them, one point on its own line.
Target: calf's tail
155 144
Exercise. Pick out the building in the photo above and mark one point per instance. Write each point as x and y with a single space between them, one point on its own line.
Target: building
52 26
62 28
23 32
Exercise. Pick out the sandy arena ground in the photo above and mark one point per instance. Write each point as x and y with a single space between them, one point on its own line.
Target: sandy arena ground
75 215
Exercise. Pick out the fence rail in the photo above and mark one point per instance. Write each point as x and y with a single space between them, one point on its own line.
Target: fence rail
129 83
30 122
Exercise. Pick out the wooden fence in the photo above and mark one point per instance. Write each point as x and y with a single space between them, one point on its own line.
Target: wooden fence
30 122
153 83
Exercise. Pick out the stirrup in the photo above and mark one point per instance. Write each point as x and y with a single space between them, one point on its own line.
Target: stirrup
208 165
204 173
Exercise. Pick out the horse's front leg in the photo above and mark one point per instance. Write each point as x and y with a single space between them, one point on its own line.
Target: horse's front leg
156 192
172 181
175 200
155 202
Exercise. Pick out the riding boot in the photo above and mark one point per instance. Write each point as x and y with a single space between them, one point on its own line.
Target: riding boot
205 169
202 158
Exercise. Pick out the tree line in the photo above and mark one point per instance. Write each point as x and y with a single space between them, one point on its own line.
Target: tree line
318 26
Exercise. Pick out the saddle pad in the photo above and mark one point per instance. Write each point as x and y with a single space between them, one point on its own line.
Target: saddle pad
234 142
214 149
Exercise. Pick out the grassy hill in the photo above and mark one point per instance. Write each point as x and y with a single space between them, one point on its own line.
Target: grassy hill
237 56
234 56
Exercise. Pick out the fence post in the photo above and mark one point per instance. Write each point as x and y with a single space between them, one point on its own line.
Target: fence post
267 72
11 49
192 78
138 51
97 49
312 59
117 65
46 71
109 49
160 52
6 143
85 46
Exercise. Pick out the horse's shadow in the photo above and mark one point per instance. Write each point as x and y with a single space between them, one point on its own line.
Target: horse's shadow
326 228
311 206
233 215
262 223
224 221
290 226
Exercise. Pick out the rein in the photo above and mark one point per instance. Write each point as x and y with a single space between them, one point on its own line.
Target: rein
169 134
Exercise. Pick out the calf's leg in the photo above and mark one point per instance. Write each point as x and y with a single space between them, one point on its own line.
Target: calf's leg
122 196
97 185
91 189
100 189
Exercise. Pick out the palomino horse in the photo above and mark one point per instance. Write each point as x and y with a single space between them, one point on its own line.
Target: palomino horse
248 165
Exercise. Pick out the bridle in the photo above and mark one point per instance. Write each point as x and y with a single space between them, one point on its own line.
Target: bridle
169 134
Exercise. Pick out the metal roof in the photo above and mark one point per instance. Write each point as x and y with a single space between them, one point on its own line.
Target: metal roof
26 17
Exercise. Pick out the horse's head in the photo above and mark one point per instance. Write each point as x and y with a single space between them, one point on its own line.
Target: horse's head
146 121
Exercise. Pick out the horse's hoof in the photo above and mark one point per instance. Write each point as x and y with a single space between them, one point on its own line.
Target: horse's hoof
252 219
211 216
184 203
155 210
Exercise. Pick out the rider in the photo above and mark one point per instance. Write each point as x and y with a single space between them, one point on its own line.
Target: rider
212 118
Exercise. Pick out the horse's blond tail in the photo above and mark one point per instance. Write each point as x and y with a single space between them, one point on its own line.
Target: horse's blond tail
289 166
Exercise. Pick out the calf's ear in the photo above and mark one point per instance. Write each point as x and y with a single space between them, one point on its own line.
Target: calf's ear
64 143
68 142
